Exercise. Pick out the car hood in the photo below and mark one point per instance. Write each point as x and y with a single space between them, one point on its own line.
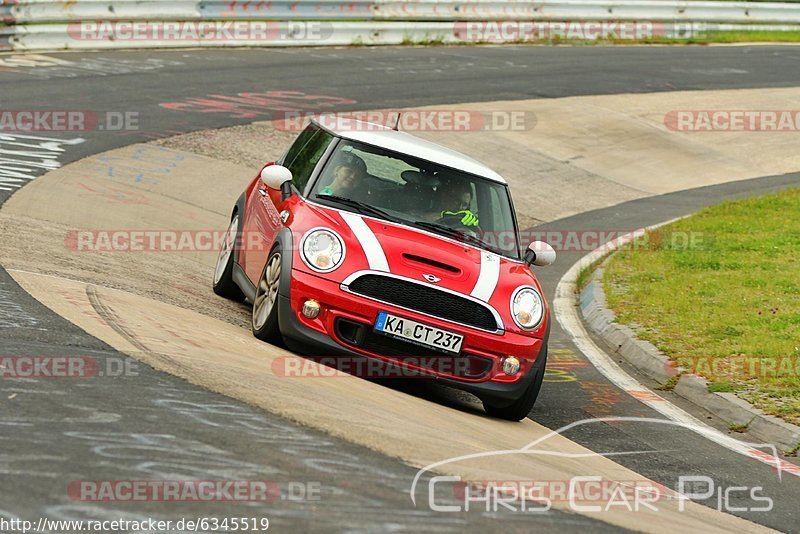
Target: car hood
378 245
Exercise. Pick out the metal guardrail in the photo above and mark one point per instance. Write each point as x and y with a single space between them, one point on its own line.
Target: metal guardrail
45 11
41 11
663 10
63 36
283 10
52 24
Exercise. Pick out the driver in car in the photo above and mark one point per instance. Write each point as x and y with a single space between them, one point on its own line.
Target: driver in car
348 177
455 197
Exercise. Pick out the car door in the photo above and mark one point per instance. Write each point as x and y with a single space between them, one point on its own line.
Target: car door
264 222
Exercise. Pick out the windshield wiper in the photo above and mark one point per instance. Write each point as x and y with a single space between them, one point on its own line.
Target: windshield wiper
455 233
364 208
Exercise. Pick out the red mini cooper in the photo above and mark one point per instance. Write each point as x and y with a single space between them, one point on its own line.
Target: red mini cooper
368 242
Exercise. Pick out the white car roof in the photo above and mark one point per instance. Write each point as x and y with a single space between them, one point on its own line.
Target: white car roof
405 143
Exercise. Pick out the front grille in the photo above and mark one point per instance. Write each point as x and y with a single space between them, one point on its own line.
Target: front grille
424 299
364 337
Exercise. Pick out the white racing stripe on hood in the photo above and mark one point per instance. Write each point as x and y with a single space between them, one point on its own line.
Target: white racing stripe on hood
368 241
487 280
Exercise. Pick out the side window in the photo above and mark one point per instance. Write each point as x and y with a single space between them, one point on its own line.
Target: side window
305 153
299 143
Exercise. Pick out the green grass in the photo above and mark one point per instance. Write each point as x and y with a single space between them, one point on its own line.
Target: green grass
781 1
670 384
585 274
746 37
436 40
704 38
771 36
735 427
727 308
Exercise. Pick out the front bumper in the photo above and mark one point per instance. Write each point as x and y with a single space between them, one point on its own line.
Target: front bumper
479 368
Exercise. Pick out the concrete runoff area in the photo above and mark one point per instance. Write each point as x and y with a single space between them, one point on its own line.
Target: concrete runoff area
167 315
229 360
575 154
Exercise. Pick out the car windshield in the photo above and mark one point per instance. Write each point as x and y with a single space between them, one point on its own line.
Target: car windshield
400 188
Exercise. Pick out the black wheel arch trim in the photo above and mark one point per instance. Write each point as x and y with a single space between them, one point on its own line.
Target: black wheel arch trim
284 239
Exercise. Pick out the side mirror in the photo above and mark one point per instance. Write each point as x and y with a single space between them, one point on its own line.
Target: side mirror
274 176
278 177
540 253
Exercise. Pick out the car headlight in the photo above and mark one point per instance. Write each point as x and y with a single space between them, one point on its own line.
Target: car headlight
527 307
322 250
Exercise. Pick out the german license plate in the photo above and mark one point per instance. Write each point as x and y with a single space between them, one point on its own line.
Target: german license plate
418 333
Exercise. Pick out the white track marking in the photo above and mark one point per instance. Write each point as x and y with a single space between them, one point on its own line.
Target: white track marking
24 157
566 311
372 247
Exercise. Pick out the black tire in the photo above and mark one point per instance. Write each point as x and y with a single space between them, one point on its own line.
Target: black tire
264 322
222 282
520 409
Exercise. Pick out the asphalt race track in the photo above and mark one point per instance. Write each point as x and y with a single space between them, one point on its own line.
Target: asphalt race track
157 426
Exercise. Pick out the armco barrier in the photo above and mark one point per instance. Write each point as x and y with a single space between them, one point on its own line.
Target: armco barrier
313 10
45 11
281 34
39 11
63 36
51 25
662 10
6 35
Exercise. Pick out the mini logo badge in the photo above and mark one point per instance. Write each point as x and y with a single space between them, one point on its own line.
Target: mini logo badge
432 279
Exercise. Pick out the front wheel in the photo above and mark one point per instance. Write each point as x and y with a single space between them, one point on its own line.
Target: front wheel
223 285
520 408
265 305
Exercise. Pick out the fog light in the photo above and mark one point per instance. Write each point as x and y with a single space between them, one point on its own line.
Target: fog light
311 309
511 365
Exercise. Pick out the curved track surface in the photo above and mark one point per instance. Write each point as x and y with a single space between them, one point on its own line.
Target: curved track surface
156 426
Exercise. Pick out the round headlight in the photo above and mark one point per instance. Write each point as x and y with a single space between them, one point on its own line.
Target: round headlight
322 250
527 307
